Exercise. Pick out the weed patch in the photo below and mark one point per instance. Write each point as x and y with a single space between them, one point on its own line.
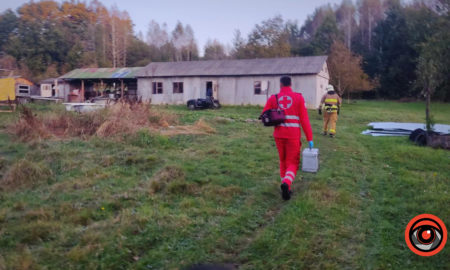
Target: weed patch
3 163
25 173
161 179
38 231
181 187
88 216
22 259
219 193
38 214
145 138
201 127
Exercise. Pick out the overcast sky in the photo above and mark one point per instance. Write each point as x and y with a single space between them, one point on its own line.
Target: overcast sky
210 19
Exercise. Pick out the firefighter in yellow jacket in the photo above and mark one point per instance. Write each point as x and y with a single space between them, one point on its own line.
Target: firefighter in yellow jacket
330 104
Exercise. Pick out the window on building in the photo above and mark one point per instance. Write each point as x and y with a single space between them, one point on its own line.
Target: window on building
257 86
177 87
157 87
261 87
24 89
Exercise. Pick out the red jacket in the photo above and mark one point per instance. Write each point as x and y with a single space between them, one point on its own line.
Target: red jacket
294 108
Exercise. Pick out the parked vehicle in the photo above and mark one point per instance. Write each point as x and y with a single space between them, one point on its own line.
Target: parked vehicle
203 103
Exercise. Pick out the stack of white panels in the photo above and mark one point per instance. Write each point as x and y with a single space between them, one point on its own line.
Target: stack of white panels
401 129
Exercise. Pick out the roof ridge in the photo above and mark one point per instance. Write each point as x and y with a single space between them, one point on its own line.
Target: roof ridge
236 67
241 59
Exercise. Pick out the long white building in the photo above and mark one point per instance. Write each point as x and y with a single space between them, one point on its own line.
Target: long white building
233 82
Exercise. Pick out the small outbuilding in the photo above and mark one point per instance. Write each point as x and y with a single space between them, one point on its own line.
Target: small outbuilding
16 87
232 82
52 88
87 83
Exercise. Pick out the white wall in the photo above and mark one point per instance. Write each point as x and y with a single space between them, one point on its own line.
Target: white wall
232 90
144 90
63 91
307 85
191 89
323 79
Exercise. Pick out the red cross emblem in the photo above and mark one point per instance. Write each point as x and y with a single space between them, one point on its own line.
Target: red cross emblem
285 102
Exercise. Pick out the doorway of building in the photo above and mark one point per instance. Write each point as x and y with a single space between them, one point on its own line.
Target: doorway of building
209 89
212 89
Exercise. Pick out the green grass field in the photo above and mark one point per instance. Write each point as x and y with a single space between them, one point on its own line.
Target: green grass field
152 202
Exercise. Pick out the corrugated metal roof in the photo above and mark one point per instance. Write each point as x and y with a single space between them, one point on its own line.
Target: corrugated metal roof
244 67
50 80
102 73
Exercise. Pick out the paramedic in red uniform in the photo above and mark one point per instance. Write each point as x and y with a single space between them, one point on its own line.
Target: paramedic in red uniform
287 135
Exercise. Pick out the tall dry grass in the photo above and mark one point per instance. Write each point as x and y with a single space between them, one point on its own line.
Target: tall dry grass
29 127
200 127
128 118
119 119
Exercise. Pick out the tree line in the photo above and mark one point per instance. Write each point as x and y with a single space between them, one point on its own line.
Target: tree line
396 49
46 39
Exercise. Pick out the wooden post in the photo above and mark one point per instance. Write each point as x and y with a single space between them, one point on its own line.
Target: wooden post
101 87
56 88
427 110
121 89
82 90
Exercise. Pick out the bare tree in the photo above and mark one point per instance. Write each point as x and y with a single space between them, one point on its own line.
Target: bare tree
121 32
345 15
184 42
157 34
114 38
214 50
345 70
370 12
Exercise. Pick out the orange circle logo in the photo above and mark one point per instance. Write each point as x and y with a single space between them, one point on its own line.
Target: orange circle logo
426 235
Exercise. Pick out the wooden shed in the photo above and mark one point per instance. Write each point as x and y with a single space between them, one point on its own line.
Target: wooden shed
12 88
84 84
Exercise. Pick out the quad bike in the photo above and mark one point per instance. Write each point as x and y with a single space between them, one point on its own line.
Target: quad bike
203 103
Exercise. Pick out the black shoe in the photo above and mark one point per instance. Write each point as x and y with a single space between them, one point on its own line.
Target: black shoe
324 133
285 192
331 135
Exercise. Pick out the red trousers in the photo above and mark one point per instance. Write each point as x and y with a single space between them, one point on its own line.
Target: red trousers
289 153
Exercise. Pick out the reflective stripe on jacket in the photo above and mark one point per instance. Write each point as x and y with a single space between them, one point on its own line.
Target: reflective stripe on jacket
293 105
331 108
331 102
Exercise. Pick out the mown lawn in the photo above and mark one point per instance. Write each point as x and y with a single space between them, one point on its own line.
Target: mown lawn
152 202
